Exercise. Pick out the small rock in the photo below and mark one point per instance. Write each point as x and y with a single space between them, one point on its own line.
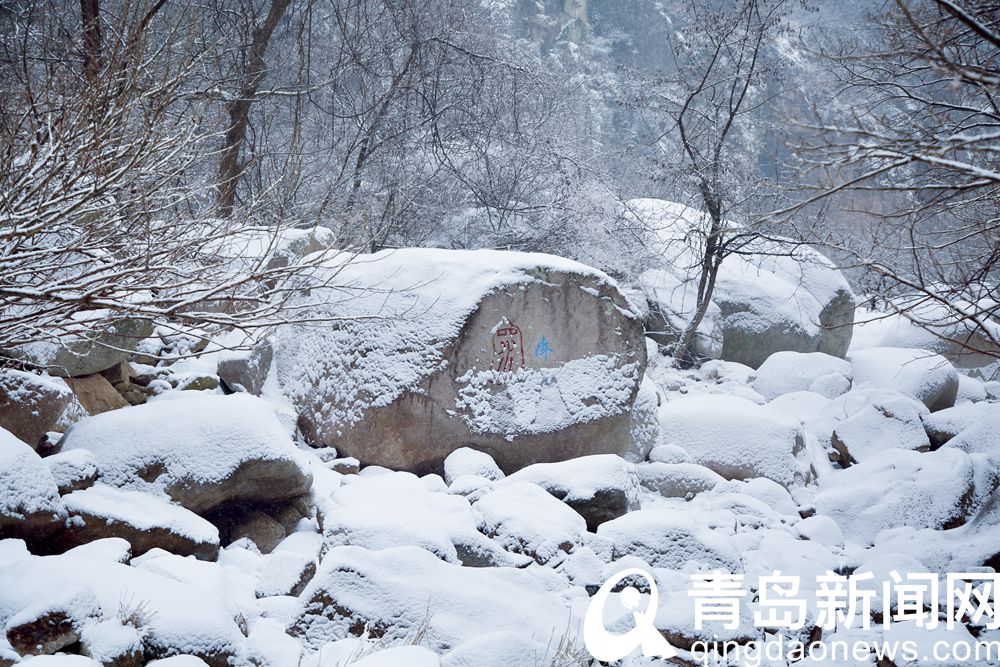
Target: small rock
677 480
96 394
821 529
347 465
265 531
73 471
246 370
669 454
600 487
30 405
468 461
53 624
112 644
285 573
195 382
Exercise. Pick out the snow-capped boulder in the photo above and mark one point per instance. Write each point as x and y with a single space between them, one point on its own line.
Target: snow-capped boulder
112 642
467 461
204 452
672 538
30 507
396 509
53 624
246 369
774 295
943 425
527 357
677 480
524 518
645 423
599 488
30 405
875 420
736 438
787 372
72 471
923 375
103 346
895 488
144 520
388 592
983 437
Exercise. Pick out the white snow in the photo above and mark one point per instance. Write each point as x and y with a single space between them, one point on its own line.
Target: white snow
70 467
467 461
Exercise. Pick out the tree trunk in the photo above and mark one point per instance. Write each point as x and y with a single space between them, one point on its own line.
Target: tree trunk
90 14
230 166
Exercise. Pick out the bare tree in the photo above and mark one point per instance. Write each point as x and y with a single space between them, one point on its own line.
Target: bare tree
711 100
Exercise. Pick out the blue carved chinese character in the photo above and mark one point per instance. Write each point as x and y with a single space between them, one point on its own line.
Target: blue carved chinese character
543 348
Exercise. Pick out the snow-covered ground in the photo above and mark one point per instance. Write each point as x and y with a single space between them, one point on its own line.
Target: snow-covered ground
204 530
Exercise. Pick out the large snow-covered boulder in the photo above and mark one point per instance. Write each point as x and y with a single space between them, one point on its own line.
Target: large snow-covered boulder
30 507
205 452
736 438
393 592
895 488
30 405
923 375
527 357
773 295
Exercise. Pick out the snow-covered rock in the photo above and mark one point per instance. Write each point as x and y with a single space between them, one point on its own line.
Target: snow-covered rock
495 649
30 405
392 592
645 423
674 538
523 518
396 509
107 342
736 438
982 437
896 488
73 470
677 480
876 420
774 295
466 461
144 520
821 529
246 369
527 357
923 375
787 372
204 452
112 642
943 425
30 506
599 487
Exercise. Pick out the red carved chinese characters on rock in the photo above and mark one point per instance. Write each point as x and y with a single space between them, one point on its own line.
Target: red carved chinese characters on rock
508 348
